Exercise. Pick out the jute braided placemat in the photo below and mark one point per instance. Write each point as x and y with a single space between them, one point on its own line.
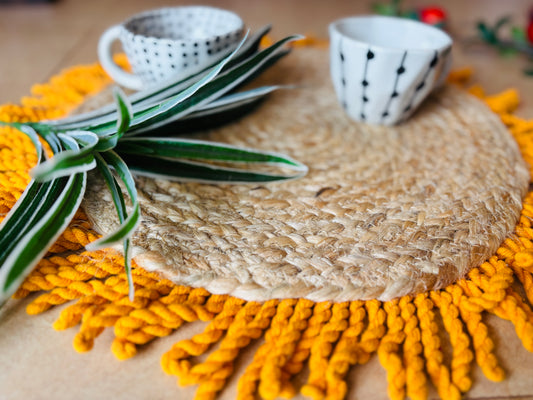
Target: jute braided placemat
251 349
383 212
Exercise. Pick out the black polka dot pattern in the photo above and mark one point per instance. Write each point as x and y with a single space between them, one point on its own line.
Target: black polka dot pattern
180 40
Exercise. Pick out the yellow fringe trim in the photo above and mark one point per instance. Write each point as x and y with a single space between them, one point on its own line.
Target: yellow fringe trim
328 338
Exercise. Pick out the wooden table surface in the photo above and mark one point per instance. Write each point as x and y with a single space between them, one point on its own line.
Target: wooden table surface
39 40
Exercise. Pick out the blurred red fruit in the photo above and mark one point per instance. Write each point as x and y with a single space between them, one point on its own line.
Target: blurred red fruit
529 31
433 15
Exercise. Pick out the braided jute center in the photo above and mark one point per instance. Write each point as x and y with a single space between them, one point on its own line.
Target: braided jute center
383 212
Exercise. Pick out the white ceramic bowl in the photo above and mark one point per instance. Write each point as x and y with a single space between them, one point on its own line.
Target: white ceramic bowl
170 43
382 67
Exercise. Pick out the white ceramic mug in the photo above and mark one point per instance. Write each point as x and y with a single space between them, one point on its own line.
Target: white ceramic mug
383 67
170 43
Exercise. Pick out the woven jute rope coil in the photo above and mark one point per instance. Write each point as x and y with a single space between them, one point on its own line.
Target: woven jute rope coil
383 212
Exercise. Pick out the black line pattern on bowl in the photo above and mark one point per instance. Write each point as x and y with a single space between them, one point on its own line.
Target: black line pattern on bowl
432 64
399 71
364 99
343 75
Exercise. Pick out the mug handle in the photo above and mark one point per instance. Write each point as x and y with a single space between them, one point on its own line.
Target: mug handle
105 56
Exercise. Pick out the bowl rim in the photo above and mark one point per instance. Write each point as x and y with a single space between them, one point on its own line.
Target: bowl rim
447 41
236 31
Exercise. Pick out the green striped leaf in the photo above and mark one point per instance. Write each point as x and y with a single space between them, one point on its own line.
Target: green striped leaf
38 198
69 161
208 92
30 132
125 113
202 150
219 112
127 228
32 246
120 207
199 172
19 219
238 98
114 188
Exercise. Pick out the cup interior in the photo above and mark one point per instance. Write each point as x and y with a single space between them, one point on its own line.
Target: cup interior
185 23
392 33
